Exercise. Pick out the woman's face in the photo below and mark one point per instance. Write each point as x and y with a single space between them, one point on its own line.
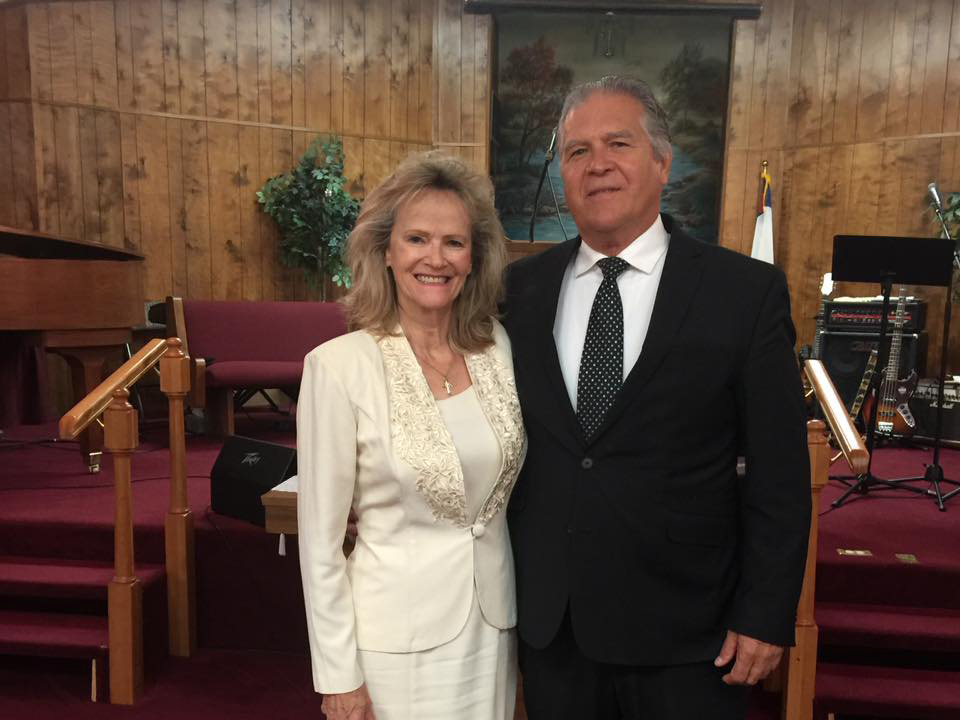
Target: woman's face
430 251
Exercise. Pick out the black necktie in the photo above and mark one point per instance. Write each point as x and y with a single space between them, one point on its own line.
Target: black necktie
601 365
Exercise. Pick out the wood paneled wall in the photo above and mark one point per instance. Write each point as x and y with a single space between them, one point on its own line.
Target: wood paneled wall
855 104
150 124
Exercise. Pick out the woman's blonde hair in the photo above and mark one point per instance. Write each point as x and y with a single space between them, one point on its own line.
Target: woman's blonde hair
371 303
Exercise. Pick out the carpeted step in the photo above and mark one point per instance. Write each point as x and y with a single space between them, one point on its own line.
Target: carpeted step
889 627
67 601
884 579
65 579
887 692
53 634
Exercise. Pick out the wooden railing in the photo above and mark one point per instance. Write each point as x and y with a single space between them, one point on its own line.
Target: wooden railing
121 437
800 662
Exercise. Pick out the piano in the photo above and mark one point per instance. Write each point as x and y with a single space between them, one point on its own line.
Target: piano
80 300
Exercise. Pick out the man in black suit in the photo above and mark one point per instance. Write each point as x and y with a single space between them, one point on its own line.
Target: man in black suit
652 582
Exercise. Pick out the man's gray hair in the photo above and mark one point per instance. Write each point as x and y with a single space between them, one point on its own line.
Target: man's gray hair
655 119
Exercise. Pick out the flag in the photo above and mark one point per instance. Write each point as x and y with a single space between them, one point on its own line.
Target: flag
763 232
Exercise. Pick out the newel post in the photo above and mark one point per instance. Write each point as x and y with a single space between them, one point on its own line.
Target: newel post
802 658
125 594
178 526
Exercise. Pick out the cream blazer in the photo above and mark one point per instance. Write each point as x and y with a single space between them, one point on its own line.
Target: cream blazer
370 436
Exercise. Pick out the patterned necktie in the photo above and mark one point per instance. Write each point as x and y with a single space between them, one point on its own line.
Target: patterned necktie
601 365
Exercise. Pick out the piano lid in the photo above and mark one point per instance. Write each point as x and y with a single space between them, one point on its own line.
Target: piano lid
37 245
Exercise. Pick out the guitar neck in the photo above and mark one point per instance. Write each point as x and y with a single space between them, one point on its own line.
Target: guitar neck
864 384
893 362
886 405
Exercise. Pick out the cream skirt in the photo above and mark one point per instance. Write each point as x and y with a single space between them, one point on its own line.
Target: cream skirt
472 677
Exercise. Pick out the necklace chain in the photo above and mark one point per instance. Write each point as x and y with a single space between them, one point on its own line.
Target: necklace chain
445 376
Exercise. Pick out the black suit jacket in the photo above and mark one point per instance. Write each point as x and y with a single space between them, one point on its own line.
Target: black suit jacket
646 532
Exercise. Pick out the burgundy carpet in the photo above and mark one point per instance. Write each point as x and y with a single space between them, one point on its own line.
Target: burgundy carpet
253 663
914 548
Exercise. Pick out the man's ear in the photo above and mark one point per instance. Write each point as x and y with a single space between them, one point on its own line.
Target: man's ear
665 166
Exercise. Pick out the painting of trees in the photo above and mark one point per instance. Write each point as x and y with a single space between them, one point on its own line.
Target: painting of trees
694 94
532 88
541 55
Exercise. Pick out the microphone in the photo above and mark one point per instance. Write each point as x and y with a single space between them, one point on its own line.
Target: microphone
932 189
543 174
553 146
938 209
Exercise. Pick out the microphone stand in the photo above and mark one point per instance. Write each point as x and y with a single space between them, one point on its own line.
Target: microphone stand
548 158
934 472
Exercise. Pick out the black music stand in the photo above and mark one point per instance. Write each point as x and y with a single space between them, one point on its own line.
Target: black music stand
906 261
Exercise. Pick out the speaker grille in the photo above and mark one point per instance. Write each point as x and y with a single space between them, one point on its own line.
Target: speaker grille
845 354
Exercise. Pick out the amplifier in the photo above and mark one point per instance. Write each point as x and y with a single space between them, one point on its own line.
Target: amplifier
845 354
923 404
864 314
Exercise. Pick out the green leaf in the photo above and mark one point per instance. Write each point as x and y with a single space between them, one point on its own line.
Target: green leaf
313 212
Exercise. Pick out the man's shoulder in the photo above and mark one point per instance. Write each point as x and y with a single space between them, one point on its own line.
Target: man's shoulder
742 264
726 262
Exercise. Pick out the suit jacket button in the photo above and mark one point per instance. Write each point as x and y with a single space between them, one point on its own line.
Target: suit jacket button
477 530
586 463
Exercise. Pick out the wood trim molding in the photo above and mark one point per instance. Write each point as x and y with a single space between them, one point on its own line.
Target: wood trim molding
734 8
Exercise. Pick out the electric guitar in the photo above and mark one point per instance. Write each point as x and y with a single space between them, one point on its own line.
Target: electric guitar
864 384
857 403
893 412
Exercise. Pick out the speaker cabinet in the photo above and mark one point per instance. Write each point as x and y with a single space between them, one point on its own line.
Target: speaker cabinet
845 354
245 469
924 407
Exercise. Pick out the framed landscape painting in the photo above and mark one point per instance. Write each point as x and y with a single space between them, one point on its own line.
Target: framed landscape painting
540 56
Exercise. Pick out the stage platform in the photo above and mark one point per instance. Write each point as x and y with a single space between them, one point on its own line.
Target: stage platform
251 628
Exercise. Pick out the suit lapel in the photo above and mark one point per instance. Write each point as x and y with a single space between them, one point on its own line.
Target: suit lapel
678 285
545 393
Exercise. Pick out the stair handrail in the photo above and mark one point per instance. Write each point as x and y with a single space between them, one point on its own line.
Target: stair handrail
121 438
835 412
93 405
800 661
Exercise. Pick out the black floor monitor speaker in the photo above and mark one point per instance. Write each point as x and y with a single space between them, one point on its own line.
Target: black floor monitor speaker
845 354
245 469
924 407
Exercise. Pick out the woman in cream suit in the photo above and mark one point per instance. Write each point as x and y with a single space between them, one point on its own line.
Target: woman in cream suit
412 421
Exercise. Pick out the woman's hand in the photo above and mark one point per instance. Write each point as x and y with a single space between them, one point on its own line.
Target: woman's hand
353 705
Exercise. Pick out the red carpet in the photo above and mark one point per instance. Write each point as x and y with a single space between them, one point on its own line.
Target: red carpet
250 620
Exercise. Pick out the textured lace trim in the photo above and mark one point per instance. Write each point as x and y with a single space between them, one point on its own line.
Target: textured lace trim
419 434
422 440
497 392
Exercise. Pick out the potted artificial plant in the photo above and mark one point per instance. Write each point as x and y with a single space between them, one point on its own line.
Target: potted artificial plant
314 212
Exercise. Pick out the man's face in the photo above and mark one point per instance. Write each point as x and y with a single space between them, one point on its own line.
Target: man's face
611 176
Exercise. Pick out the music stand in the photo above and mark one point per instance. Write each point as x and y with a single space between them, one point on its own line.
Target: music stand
885 260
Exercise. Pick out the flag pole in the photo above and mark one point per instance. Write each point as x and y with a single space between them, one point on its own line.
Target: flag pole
763 231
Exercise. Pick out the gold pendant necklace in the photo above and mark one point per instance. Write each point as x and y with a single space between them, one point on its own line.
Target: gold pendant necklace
447 385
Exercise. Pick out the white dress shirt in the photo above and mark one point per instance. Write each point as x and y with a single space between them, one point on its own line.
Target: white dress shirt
638 290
